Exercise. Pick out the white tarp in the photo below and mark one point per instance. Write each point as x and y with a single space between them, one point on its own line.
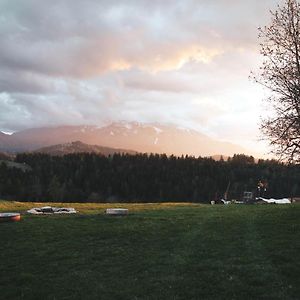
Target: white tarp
225 202
275 201
52 210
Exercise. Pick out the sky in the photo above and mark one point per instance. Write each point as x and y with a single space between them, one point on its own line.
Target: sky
182 62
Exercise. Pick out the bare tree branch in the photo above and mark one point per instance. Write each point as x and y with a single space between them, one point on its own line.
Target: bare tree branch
280 73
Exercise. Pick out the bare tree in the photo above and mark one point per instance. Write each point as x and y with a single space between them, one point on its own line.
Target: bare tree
280 73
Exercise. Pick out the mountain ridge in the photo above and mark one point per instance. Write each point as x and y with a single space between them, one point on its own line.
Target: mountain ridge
79 147
140 137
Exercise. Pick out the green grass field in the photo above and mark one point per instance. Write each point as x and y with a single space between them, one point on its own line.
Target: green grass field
169 251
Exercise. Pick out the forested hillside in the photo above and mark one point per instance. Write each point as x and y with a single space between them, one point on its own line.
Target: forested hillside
142 178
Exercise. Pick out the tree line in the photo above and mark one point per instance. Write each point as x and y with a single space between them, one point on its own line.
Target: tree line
143 178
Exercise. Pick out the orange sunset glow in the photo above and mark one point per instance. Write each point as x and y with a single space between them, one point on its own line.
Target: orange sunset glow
169 63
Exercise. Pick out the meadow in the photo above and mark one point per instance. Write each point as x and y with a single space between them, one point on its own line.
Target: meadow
159 251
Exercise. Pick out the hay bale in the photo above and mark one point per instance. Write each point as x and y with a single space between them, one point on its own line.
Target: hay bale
117 211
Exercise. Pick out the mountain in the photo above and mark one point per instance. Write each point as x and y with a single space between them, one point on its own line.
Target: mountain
10 143
79 147
5 139
6 156
151 138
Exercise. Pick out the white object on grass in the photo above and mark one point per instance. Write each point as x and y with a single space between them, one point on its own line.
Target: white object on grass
226 202
51 210
117 211
276 201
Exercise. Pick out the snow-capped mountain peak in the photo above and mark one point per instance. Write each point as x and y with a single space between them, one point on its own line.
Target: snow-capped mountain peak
141 137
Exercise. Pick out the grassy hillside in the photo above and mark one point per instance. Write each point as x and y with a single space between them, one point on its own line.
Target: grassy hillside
164 251
10 164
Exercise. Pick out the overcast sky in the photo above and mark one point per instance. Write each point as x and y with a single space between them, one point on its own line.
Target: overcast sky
184 62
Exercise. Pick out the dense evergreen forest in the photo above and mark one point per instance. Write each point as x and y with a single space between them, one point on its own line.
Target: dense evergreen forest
142 178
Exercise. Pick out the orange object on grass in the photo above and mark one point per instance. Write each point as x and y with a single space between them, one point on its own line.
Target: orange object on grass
10 217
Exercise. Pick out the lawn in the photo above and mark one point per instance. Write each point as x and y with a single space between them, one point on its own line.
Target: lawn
167 251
